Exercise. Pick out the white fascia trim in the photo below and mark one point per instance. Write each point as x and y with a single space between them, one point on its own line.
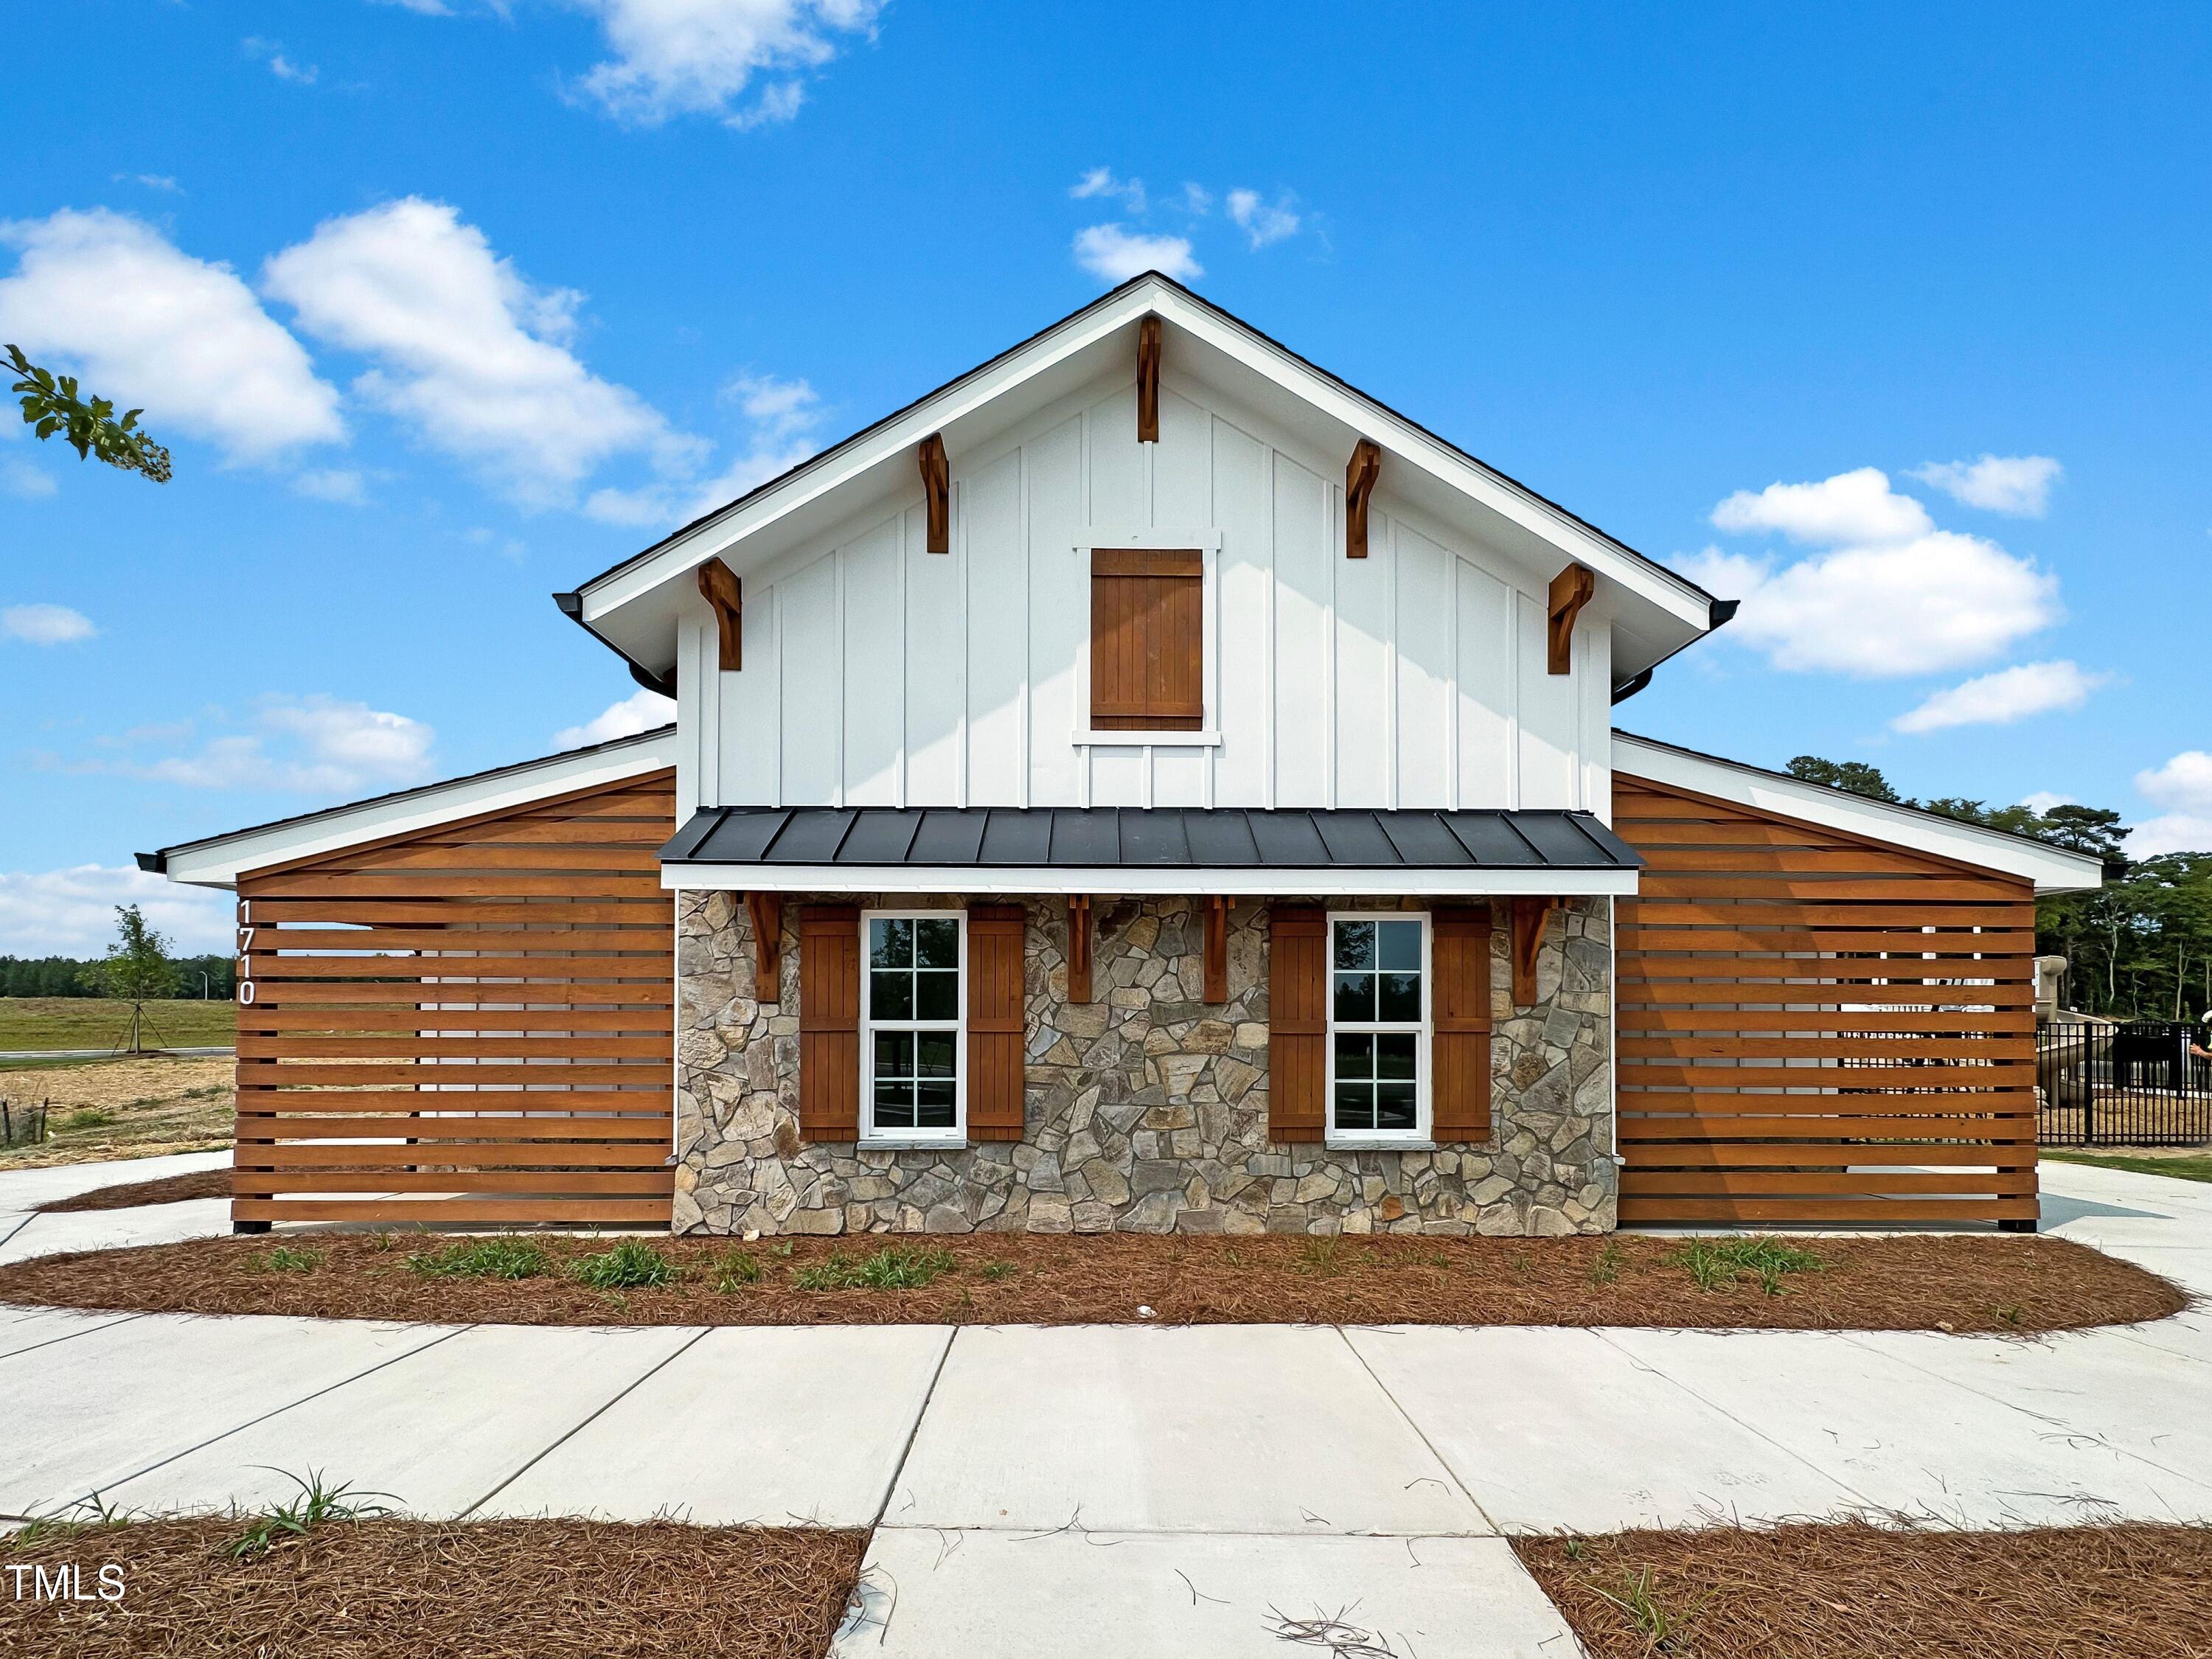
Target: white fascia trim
2052 869
219 862
1141 882
1407 442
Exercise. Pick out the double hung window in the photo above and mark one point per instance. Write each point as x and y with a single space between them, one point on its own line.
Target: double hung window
912 1043
1378 1037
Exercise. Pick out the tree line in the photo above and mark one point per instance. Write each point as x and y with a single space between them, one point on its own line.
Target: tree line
2139 947
89 976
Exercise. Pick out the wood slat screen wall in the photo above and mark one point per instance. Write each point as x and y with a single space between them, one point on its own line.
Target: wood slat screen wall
1814 1027
473 1023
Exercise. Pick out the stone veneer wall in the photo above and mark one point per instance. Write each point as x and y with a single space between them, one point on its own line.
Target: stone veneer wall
1147 1108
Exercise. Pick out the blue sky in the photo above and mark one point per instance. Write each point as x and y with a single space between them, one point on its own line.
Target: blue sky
445 306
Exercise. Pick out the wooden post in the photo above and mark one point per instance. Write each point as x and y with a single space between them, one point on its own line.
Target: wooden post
937 493
1359 477
1078 947
1529 914
1148 380
1217 949
1571 591
726 594
767 912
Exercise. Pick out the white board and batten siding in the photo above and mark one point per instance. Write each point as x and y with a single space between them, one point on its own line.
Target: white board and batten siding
878 674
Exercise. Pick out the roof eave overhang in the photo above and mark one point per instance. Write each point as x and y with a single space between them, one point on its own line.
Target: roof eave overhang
219 861
632 607
2052 869
1137 881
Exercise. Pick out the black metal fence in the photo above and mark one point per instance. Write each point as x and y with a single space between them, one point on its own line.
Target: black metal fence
2144 1083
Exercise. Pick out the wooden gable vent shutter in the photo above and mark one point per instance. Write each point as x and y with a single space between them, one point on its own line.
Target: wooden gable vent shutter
829 1022
994 1022
1460 1045
1298 1021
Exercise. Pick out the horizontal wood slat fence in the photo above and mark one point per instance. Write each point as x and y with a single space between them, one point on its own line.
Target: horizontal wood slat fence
470 1025
1816 1028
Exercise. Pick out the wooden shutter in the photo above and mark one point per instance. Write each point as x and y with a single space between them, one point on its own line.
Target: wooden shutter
829 1022
1460 1049
1297 1022
994 1022
1147 649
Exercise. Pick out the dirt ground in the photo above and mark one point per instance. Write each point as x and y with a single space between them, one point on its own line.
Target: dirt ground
379 1588
1956 1282
149 1106
1853 1591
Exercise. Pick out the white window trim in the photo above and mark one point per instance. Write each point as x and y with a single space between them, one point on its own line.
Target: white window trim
1208 544
957 1134
1422 1134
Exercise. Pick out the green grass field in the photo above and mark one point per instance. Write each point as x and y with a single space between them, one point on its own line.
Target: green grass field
94 1022
2181 1168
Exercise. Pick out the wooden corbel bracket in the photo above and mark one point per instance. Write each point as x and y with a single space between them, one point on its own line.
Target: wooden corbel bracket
937 493
1529 916
1359 477
1571 591
726 594
1078 947
767 912
1217 949
1148 380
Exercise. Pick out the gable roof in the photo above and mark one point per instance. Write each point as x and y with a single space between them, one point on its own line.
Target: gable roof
2052 869
632 606
217 860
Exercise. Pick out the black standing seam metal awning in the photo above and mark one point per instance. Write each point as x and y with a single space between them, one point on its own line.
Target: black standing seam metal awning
1153 837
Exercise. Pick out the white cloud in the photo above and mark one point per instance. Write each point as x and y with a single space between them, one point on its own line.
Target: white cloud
427 8
639 711
161 181
46 624
2184 786
2043 800
1263 224
466 349
25 479
1940 601
149 326
1851 509
507 547
339 485
1890 595
1197 200
312 745
2019 485
700 57
1999 699
781 417
271 53
1115 254
71 913
1100 181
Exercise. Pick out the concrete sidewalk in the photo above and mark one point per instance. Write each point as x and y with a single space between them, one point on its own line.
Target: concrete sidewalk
1181 1488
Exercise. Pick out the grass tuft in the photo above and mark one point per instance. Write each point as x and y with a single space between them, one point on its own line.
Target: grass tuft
482 1258
736 1270
1662 1627
894 1267
316 1505
285 1259
1322 1255
89 1119
995 1271
1713 1263
1606 1270
631 1265
91 1514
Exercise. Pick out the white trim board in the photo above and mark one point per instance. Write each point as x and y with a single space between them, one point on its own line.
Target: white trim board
2052 869
1136 880
221 859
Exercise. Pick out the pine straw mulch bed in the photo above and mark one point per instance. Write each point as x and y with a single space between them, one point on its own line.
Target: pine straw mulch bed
171 1189
1955 1282
424 1590
1850 1590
